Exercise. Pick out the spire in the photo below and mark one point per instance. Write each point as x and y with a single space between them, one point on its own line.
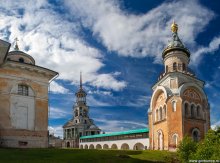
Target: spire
80 80
81 94
16 44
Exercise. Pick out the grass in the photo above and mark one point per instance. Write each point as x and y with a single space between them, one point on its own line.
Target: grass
81 156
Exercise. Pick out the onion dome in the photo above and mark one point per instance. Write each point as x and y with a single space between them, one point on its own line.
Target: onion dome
20 56
175 43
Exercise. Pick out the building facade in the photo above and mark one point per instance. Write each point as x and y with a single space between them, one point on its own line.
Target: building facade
125 140
179 105
23 100
80 124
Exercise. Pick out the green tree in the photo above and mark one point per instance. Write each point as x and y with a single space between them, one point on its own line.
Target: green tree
208 149
186 149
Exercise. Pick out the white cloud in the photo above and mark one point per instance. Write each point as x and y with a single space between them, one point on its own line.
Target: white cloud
57 89
53 41
99 92
56 130
103 80
94 102
213 46
215 125
117 125
56 113
139 101
141 35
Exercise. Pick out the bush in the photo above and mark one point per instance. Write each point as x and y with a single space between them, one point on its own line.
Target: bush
207 149
186 149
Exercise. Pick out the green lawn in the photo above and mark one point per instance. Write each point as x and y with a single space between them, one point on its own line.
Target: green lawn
80 155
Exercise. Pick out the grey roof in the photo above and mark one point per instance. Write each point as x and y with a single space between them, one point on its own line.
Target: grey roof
175 44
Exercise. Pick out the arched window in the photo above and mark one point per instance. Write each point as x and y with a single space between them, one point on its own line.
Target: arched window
175 140
166 69
160 141
157 115
80 111
76 113
160 112
21 60
186 108
174 106
192 111
84 113
174 66
196 134
184 67
23 90
198 111
164 112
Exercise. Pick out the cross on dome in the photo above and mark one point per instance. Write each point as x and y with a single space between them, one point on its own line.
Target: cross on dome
16 44
174 27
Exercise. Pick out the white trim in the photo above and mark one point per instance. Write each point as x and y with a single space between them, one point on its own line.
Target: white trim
156 93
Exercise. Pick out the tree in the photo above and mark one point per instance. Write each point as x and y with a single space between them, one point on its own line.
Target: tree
186 149
208 149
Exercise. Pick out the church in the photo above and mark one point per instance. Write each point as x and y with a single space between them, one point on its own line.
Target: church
23 99
80 124
178 107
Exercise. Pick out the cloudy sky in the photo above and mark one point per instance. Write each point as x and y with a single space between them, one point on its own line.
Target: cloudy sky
117 45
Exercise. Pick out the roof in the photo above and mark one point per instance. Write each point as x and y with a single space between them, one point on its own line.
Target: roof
117 133
4 48
175 43
18 52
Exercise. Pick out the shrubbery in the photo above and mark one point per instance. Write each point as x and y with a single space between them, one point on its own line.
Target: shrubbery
186 149
207 149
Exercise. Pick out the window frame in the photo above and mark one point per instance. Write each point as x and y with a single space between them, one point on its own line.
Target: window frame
23 90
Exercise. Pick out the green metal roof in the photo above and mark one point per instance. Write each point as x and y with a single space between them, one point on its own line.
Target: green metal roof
116 133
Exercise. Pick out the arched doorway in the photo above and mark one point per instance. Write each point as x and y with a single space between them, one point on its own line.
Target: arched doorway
160 140
98 146
125 146
105 146
81 146
91 146
86 146
138 146
68 144
114 146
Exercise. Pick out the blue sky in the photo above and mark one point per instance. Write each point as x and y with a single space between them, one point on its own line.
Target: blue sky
117 45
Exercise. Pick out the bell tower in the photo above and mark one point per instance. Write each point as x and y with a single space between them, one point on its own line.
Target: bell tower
179 105
81 109
80 124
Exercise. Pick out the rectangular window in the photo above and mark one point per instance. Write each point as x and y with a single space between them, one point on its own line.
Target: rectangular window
23 90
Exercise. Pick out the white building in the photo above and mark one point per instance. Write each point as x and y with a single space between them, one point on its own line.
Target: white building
126 140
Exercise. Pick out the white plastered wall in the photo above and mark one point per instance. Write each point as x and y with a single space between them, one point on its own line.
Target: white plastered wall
131 143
